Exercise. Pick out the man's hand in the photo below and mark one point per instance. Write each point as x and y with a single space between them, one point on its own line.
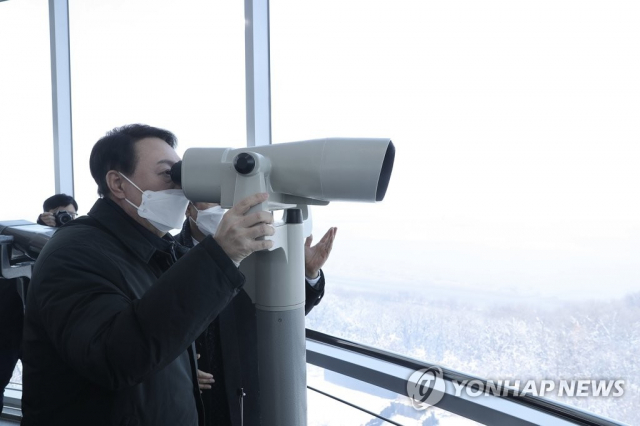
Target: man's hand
48 218
204 379
316 256
238 232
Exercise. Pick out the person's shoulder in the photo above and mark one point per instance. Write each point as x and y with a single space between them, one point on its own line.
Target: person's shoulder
80 236
80 230
78 252
80 248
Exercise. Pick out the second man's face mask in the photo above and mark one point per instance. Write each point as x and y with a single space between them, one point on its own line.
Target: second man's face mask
209 219
163 209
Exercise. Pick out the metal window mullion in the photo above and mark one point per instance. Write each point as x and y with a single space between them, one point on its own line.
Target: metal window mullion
258 79
61 95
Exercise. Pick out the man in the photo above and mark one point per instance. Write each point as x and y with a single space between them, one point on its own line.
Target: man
11 307
115 305
55 204
228 360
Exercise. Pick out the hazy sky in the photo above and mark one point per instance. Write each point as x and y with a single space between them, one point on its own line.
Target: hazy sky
516 123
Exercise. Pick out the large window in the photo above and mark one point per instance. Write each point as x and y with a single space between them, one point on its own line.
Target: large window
178 66
508 243
26 132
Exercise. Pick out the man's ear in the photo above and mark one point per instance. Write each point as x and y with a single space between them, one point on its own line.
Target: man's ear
115 184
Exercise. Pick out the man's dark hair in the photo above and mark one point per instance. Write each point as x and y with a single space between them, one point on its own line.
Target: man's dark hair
116 151
59 200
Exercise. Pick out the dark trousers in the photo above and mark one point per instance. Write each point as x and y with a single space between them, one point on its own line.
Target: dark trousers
11 318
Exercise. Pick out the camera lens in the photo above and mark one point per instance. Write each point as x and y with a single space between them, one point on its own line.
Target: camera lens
62 217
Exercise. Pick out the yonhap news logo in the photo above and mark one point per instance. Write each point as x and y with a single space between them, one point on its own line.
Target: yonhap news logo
425 387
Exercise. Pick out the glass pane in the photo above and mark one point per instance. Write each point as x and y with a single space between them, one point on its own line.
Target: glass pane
175 66
26 130
508 243
324 410
16 378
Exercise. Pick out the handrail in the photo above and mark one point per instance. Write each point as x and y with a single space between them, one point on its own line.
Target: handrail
364 410
386 369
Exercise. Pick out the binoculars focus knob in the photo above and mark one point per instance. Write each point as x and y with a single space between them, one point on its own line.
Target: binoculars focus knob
244 163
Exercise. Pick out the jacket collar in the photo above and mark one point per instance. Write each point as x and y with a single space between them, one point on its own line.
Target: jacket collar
142 242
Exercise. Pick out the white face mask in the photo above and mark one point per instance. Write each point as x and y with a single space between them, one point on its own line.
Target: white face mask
209 219
163 209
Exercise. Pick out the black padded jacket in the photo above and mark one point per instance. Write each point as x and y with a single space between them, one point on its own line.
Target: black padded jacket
112 313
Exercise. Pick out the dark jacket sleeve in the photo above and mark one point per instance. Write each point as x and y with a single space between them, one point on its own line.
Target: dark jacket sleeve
110 337
313 296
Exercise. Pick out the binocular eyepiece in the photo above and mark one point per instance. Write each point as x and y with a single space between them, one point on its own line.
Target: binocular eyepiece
176 173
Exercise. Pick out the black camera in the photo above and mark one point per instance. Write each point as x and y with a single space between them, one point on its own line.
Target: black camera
62 217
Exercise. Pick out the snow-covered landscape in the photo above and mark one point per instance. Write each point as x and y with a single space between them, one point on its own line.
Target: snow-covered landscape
501 340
